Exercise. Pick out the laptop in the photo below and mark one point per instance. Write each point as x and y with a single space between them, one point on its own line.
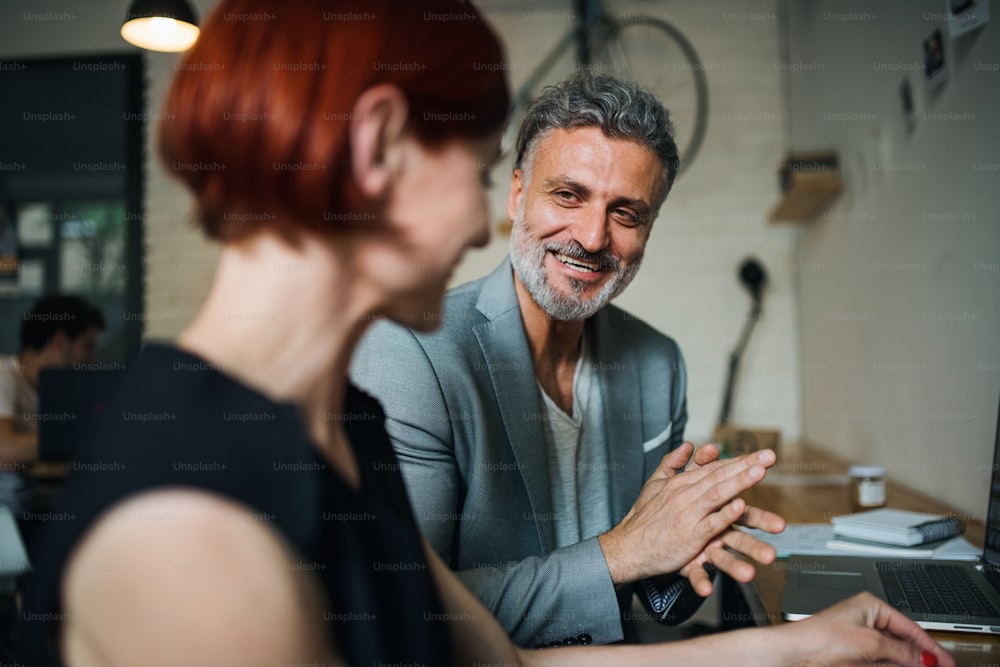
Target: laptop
68 399
958 596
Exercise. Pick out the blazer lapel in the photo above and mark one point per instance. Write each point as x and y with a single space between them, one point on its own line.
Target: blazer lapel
622 412
508 360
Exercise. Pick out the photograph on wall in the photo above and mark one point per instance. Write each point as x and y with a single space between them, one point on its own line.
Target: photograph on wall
934 64
966 15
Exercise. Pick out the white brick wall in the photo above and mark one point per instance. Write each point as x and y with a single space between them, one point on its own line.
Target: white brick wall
179 261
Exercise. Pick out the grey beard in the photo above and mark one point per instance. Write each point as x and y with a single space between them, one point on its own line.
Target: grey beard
528 256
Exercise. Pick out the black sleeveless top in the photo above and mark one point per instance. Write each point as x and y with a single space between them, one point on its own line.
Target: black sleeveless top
177 421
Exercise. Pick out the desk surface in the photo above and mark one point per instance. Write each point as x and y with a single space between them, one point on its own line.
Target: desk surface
808 487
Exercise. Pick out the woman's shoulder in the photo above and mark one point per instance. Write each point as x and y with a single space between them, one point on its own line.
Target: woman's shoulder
195 557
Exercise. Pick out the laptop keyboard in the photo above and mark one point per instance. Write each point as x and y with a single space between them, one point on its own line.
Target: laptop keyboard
933 589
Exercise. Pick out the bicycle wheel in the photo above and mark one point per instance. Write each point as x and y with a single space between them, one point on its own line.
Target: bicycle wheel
659 57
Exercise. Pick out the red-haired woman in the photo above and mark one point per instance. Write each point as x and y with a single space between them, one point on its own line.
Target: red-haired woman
242 504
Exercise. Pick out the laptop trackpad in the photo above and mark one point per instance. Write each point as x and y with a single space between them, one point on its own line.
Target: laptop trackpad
845 582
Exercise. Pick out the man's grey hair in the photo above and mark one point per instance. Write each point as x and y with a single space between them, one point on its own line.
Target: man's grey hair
620 108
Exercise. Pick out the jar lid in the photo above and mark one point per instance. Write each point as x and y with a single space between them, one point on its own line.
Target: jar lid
866 471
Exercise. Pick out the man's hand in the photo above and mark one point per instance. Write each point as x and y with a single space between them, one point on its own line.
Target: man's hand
16 446
702 455
682 520
719 551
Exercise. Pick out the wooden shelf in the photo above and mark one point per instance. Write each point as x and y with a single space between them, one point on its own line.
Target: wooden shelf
809 194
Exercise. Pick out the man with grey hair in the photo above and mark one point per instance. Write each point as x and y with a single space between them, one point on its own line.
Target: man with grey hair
540 430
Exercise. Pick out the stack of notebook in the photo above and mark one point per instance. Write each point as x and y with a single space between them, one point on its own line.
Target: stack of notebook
890 531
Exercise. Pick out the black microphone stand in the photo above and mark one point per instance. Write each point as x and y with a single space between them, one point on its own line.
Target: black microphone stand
734 359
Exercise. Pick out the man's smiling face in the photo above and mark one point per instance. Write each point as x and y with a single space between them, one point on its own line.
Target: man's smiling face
582 213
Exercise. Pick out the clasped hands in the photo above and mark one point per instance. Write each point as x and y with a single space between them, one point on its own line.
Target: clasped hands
683 520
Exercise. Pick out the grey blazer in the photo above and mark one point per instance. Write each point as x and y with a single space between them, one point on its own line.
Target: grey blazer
464 415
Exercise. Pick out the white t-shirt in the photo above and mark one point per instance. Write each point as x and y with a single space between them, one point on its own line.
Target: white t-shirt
19 402
577 455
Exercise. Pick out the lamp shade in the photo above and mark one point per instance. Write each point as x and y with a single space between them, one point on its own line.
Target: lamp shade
161 25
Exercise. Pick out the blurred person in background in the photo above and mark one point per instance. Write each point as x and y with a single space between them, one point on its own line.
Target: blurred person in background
58 331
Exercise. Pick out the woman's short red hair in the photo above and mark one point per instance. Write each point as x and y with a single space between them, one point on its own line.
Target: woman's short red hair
256 119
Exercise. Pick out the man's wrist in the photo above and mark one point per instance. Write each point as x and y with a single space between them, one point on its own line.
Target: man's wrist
611 546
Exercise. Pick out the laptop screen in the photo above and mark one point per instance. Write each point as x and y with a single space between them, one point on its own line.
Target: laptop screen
991 554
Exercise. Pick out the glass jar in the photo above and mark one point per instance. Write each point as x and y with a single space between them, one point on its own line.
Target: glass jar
867 487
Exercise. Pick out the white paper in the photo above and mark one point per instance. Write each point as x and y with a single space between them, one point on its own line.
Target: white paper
812 539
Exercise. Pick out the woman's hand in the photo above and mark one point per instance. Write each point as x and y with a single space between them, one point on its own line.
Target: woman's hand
864 630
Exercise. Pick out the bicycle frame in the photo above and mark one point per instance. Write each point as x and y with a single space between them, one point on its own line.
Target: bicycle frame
588 13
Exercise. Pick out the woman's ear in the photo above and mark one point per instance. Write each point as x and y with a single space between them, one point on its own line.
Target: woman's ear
376 134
